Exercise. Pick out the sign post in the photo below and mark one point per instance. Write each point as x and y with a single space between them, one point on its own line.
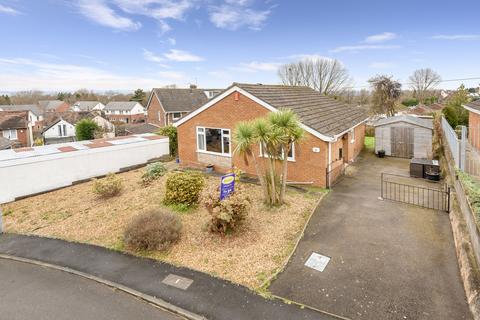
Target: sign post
227 185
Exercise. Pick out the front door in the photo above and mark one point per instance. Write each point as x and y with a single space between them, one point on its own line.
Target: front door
401 142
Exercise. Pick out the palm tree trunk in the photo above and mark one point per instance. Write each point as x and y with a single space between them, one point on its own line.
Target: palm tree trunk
260 176
284 174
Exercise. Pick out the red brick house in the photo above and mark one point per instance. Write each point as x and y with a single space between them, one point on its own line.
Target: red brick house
14 126
168 105
334 131
473 123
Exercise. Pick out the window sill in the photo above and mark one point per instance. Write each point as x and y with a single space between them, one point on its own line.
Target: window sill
226 155
288 159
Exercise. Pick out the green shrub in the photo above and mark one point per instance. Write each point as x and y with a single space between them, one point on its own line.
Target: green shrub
109 186
153 172
410 102
152 230
184 188
171 133
227 214
85 129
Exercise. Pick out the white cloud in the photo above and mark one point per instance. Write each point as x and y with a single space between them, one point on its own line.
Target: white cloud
382 37
220 74
182 56
99 12
26 74
8 10
361 47
172 41
381 65
150 56
261 66
457 37
233 15
306 56
172 76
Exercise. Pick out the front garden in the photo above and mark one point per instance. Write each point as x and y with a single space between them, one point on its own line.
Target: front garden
130 210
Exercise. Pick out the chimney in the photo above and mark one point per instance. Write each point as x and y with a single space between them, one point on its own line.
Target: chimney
193 86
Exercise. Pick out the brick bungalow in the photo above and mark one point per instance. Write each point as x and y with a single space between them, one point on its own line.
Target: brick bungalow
473 123
14 126
124 111
334 131
168 105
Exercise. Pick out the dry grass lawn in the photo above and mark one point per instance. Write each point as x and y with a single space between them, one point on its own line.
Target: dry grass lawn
247 257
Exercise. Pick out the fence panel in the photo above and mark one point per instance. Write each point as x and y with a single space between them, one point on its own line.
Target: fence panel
457 146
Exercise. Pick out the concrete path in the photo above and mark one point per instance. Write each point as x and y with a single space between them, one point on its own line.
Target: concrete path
207 296
32 292
388 260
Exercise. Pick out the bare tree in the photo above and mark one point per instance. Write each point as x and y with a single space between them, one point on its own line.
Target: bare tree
385 94
328 76
422 81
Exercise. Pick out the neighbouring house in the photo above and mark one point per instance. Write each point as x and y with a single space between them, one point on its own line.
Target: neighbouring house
108 128
53 106
404 136
82 106
14 126
473 123
165 106
334 131
35 114
124 111
423 111
140 128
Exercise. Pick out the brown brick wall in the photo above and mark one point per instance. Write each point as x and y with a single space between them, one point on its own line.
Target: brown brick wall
22 137
474 129
169 117
154 108
308 166
136 118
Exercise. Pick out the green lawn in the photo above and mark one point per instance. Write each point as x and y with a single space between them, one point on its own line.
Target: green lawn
370 143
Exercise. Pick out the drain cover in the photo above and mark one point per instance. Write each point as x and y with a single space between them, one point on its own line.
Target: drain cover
317 262
177 281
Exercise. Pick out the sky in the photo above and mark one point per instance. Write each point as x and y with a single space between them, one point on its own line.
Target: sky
60 45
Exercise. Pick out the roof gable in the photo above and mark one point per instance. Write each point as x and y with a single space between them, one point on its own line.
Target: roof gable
179 100
426 123
323 117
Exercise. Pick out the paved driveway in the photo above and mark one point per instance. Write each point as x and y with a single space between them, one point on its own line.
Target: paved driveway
388 260
33 292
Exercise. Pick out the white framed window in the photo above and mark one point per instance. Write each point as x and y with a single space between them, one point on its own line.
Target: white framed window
352 135
290 156
213 140
62 130
10 134
176 116
159 114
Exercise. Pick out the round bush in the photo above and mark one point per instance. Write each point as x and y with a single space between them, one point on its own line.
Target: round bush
153 230
154 171
109 186
184 188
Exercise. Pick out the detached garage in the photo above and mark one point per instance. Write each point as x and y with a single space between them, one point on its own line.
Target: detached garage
404 136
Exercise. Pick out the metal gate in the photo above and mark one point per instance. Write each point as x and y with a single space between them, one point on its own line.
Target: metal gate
401 142
394 189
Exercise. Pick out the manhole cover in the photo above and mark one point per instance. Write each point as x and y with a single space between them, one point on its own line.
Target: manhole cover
177 281
317 262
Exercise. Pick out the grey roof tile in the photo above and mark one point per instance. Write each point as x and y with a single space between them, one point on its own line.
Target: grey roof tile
176 100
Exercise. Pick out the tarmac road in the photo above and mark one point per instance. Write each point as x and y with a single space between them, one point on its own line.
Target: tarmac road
33 292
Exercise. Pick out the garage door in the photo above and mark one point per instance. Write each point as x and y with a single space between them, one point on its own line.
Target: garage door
401 142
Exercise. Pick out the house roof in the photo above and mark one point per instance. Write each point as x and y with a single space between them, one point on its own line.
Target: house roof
13 120
426 123
120 105
22 107
140 128
473 106
176 100
50 105
86 105
323 114
70 117
5 143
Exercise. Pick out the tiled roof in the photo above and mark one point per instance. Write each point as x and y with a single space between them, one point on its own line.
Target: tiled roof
22 107
138 128
50 105
120 105
70 117
474 105
13 120
86 105
323 114
176 100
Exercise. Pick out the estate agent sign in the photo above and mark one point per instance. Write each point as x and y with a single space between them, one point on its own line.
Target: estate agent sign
227 185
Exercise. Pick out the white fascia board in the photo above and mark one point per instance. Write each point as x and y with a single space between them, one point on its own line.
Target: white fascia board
252 97
150 98
471 109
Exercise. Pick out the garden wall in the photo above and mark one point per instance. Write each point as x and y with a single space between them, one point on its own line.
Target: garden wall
40 169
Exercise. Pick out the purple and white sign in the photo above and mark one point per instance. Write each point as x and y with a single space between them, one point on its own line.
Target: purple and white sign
227 185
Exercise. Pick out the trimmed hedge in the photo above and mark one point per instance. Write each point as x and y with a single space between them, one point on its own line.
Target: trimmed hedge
184 188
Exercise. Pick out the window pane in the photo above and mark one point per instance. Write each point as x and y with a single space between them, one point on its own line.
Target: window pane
13 134
213 137
226 144
60 130
200 141
290 152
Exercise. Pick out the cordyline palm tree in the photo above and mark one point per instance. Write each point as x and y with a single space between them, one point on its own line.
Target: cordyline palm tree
245 138
288 128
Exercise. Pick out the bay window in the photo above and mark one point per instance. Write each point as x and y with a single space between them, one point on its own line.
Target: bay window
213 140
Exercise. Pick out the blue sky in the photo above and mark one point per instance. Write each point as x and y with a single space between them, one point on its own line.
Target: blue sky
125 44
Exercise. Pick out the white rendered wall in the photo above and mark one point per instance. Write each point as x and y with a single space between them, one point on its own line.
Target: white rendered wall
25 176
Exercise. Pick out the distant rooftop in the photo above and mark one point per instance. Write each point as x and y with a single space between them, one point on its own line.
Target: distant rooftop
121 105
